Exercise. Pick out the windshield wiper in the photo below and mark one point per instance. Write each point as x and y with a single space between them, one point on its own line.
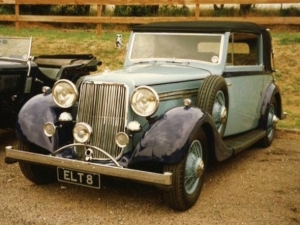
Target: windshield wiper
145 62
178 62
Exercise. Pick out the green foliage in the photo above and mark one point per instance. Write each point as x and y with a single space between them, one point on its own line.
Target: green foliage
127 10
174 10
35 9
75 10
278 76
26 9
231 11
291 39
291 11
7 9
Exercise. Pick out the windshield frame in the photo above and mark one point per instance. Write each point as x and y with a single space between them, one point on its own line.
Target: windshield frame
14 54
174 59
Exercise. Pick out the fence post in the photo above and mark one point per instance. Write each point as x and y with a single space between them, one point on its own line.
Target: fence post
17 13
197 11
99 25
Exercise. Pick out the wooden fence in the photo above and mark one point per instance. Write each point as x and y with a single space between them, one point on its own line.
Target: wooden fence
99 19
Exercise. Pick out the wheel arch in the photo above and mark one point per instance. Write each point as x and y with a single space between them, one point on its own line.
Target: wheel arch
33 115
279 111
272 91
167 140
210 140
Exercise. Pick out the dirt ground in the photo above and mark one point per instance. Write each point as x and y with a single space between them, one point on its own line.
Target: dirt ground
257 186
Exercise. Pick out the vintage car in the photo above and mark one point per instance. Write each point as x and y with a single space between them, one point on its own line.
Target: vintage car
23 76
188 91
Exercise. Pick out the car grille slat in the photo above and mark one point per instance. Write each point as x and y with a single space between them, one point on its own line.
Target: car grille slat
103 106
9 83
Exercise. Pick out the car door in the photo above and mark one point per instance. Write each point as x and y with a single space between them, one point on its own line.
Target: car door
247 82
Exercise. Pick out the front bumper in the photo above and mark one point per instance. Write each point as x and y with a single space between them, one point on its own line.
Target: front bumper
136 175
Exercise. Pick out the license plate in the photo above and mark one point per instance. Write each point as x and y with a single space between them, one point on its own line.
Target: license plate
78 177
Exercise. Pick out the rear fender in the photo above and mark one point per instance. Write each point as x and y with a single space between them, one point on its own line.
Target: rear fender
167 140
272 91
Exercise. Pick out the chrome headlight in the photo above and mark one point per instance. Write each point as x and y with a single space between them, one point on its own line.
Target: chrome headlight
82 132
64 93
144 101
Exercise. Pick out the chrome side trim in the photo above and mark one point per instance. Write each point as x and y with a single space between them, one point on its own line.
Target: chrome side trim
177 94
137 175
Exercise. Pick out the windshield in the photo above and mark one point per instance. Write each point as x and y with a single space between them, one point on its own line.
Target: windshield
15 48
155 46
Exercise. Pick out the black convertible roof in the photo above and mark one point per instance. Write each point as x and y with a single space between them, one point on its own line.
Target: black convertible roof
213 27
200 26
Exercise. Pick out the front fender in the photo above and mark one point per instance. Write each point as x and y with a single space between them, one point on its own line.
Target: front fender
167 140
32 117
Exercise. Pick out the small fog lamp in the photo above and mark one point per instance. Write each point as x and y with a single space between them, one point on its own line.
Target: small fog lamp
134 126
121 139
49 129
65 116
82 132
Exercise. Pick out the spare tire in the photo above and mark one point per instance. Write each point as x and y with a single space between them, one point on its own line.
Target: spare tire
213 98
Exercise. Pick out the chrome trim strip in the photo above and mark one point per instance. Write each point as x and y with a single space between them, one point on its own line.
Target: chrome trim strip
177 94
88 146
137 175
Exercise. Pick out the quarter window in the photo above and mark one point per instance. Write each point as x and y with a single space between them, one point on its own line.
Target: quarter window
243 49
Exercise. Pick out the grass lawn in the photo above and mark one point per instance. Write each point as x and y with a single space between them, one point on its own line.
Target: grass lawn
48 40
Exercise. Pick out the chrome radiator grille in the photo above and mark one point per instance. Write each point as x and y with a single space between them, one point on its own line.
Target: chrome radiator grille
103 106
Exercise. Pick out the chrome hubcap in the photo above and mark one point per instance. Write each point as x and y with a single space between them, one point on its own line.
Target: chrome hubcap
194 167
271 124
223 114
219 113
199 168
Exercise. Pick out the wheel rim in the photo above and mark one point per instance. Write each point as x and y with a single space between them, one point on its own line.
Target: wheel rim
271 122
194 167
219 113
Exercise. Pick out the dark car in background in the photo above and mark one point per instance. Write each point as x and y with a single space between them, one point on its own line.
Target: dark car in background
22 76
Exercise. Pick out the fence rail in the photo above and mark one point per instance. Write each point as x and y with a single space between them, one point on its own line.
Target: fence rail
99 19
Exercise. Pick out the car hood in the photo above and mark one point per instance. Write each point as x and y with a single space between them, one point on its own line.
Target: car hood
151 74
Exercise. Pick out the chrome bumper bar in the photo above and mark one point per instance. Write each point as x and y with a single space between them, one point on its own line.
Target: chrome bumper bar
137 175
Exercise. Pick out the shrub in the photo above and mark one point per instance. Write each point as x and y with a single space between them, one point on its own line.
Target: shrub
127 10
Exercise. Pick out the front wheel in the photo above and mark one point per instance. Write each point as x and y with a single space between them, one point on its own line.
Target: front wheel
36 173
188 175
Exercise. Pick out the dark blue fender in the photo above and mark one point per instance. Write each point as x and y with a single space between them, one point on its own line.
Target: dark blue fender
168 139
32 117
272 90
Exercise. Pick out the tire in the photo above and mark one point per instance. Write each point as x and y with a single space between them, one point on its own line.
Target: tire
213 98
36 173
185 192
270 124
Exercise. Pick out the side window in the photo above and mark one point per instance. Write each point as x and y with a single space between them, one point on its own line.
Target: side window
243 49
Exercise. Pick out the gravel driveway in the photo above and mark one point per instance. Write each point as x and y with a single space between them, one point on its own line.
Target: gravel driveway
258 186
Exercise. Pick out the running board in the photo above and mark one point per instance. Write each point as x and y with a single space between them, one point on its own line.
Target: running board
243 141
